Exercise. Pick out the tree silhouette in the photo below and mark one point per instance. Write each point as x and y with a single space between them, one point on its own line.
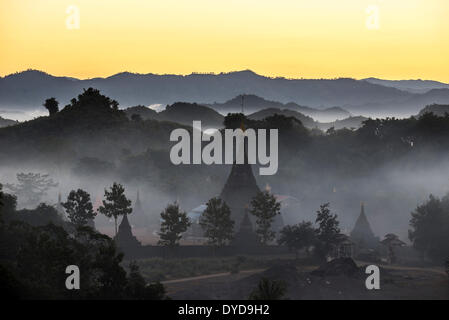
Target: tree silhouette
297 237
51 105
79 207
430 228
328 232
174 223
216 222
116 203
265 208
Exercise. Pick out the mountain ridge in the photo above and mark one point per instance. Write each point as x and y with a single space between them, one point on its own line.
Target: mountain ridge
27 91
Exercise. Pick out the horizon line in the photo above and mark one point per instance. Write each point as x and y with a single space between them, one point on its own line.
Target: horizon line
216 74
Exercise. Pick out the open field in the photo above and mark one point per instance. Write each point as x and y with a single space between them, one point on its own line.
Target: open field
396 282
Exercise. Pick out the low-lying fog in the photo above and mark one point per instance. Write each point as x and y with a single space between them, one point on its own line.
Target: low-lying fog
389 194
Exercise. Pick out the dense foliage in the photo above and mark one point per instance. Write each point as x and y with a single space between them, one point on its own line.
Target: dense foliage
174 223
36 246
430 228
265 208
216 222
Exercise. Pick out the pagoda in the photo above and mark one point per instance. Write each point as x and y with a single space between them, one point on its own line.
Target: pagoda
138 218
125 238
362 234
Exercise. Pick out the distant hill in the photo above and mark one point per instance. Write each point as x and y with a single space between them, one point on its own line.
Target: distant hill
27 90
253 103
350 123
437 109
413 86
144 112
308 122
185 113
6 122
180 112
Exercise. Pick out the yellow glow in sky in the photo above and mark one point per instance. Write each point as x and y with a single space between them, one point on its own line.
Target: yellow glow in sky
291 38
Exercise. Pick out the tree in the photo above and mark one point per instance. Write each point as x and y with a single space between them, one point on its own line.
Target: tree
328 232
217 223
269 290
31 187
174 223
51 105
430 228
116 203
297 237
265 208
79 207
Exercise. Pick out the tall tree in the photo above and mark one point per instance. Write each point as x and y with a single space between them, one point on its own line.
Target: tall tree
51 105
116 203
174 224
265 208
31 187
297 237
328 232
79 207
430 228
217 223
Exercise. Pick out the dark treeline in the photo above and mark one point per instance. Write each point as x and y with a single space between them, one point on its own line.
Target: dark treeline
37 245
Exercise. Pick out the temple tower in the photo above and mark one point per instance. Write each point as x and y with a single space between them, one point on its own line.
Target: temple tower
362 234
138 218
125 238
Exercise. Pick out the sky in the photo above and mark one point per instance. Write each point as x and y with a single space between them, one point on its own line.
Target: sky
390 39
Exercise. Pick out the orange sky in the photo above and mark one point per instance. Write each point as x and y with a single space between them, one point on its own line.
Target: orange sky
291 38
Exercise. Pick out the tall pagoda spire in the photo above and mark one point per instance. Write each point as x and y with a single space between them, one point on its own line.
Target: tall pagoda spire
362 234
138 218
125 238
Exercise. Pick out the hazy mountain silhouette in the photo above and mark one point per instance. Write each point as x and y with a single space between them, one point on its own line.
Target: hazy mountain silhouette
308 122
349 123
185 113
180 112
27 90
413 86
144 112
253 103
437 109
